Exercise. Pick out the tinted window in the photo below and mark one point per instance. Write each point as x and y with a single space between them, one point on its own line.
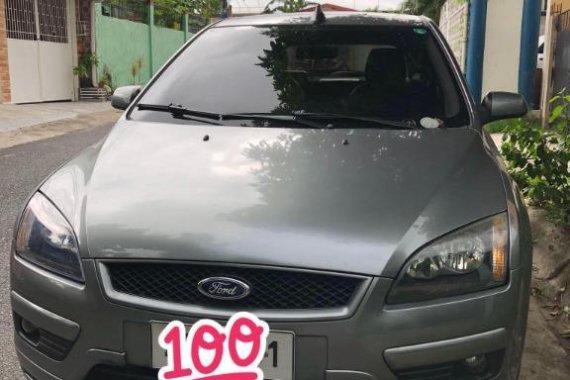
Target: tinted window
389 72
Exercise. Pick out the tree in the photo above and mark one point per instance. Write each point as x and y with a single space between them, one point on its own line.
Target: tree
286 6
205 8
429 8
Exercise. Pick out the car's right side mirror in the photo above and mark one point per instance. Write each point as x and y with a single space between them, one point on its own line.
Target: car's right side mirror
502 105
123 96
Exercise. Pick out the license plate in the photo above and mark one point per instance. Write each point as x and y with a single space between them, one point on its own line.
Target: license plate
278 363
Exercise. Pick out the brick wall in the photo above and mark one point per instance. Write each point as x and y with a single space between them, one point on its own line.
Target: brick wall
5 94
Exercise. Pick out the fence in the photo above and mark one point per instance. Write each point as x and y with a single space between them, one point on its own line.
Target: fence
133 39
126 10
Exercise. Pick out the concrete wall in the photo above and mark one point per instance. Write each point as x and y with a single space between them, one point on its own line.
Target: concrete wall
121 43
502 46
165 43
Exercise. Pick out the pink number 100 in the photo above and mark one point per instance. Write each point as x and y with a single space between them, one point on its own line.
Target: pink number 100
234 352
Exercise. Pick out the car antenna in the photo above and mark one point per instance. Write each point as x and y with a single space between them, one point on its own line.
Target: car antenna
319 15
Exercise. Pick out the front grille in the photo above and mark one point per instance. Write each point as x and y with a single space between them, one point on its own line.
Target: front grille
270 289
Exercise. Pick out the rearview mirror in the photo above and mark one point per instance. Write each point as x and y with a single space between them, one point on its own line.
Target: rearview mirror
502 105
123 96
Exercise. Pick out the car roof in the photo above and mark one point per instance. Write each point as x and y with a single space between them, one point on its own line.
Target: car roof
332 18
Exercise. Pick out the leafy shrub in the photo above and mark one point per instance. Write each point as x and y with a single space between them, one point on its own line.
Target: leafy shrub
538 159
83 70
499 126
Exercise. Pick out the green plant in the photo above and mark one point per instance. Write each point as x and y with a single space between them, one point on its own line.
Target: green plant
102 83
136 70
538 159
86 62
499 126
429 8
81 72
206 8
286 6
107 77
89 59
502 126
140 63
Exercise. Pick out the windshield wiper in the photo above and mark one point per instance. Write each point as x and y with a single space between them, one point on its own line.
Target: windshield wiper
274 117
395 124
180 112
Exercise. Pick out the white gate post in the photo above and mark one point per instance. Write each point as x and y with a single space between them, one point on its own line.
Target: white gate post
72 36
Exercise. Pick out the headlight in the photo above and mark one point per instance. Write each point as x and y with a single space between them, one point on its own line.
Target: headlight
471 259
46 239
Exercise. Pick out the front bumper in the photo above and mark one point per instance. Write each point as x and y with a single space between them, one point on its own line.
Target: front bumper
377 341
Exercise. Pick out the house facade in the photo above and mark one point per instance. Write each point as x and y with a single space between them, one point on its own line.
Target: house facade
42 41
38 50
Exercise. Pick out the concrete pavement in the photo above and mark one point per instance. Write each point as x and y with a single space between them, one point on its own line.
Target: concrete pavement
15 116
20 124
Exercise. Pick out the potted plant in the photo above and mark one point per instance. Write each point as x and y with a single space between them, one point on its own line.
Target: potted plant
106 81
84 70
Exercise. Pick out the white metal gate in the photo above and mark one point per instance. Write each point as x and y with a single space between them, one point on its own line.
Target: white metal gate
39 50
453 24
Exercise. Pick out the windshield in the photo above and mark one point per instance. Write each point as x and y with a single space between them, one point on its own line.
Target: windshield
392 72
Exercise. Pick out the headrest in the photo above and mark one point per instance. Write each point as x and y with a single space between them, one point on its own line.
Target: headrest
386 66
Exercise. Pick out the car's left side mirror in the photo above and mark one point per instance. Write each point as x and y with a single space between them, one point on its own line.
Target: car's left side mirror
123 96
502 105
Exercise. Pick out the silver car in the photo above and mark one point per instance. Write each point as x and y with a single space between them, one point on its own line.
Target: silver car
327 172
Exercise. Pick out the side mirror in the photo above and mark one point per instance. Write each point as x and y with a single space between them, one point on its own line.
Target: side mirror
502 105
123 96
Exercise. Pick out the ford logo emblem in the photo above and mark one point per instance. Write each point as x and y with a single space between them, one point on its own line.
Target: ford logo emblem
224 288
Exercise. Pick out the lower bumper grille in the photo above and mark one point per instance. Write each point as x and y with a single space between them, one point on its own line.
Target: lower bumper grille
271 289
456 370
45 342
442 372
104 372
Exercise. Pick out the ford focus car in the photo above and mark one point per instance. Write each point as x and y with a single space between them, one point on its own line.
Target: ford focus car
327 172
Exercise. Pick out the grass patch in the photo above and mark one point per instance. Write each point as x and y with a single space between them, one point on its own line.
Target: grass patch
503 126
499 126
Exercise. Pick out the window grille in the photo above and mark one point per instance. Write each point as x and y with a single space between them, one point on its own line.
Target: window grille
20 19
53 20
21 22
82 29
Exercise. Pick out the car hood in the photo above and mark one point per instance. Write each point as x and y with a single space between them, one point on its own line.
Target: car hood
349 200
